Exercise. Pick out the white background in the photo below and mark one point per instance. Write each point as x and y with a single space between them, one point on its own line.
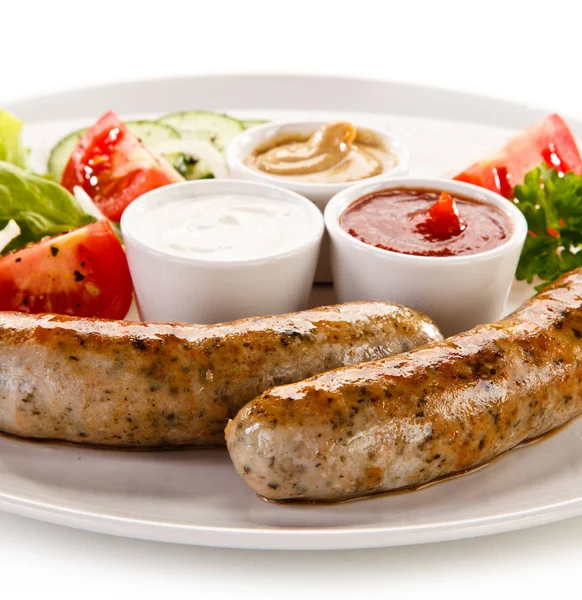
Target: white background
523 51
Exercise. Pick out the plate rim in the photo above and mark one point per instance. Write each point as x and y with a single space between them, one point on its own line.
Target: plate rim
292 538
450 104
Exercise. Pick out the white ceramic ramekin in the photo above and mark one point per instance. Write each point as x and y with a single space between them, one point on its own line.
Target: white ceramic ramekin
174 288
319 193
458 292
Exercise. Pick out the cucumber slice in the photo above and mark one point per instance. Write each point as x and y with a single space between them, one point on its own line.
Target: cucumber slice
222 127
59 156
191 168
247 124
152 132
197 169
148 132
215 128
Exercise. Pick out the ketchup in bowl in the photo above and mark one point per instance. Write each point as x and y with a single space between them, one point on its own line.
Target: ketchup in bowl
426 223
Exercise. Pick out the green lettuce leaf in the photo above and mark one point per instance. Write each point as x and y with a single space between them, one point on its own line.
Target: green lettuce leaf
39 206
11 148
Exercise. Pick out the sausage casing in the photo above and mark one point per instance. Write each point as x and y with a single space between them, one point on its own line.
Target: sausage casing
122 383
406 420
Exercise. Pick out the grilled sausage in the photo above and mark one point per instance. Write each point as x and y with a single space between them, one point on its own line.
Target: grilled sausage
122 383
406 420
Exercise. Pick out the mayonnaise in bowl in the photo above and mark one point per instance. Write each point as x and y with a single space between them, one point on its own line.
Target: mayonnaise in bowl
222 227
218 250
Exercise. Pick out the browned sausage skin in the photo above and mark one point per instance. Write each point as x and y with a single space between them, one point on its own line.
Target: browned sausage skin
409 419
129 384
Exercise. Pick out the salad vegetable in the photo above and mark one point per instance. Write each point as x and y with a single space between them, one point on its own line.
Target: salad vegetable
200 151
149 133
82 273
552 205
11 147
253 123
549 141
210 133
9 233
113 167
549 195
38 206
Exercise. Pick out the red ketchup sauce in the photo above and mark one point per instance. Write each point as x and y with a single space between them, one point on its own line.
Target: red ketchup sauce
425 223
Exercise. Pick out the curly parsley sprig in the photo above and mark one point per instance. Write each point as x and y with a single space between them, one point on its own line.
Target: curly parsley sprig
552 205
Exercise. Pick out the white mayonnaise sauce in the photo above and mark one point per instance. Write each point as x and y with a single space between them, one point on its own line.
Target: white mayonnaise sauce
223 227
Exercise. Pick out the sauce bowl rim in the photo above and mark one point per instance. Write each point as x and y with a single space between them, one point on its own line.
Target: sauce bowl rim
247 142
210 186
341 201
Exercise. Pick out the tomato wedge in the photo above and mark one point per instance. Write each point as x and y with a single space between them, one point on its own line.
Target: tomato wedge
83 273
442 219
113 167
549 141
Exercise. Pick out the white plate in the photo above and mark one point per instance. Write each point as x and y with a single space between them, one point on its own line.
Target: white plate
194 496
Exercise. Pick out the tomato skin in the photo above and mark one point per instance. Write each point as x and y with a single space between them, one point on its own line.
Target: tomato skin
113 167
442 220
549 141
83 273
